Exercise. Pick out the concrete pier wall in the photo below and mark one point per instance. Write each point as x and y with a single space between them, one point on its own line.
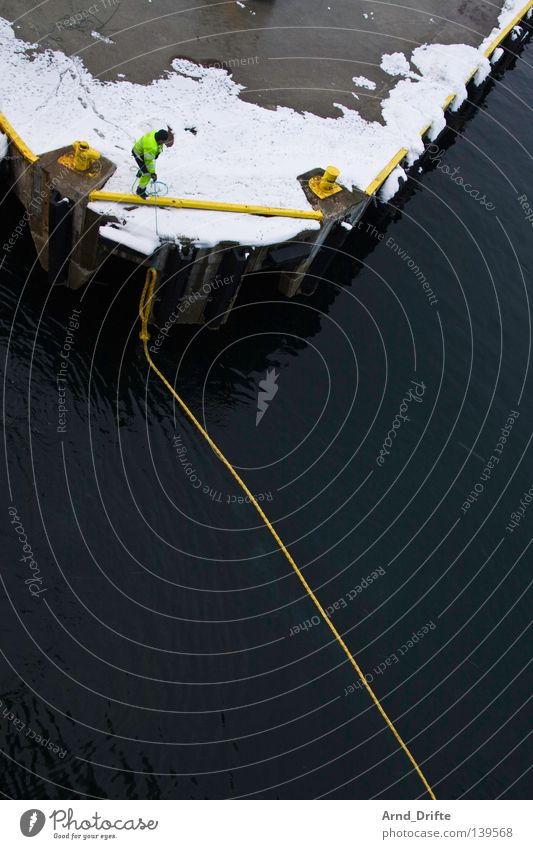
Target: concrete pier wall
43 185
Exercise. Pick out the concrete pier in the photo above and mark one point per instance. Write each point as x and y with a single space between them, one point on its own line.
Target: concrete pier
290 53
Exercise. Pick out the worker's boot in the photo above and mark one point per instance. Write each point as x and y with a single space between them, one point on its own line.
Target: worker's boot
142 193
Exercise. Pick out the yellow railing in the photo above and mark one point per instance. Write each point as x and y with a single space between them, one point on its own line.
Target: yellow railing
397 158
21 146
384 173
217 206
505 32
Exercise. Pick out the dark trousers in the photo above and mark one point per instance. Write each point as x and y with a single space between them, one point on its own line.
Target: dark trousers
140 162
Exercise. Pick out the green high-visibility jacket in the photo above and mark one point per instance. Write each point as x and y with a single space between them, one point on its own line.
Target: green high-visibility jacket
148 149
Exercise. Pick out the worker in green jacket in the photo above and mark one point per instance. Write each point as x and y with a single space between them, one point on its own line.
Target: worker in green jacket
145 152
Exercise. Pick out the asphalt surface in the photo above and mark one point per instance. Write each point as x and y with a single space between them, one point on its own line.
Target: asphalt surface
297 53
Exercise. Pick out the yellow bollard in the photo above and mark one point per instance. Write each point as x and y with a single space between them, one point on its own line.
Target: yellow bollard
84 156
329 178
326 185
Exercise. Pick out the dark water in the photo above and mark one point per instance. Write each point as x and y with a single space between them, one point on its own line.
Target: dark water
156 658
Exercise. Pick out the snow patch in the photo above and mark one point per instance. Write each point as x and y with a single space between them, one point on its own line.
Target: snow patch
98 37
136 238
392 184
363 82
3 146
396 65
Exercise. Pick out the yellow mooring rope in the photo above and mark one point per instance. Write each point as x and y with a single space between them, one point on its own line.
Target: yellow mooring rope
144 312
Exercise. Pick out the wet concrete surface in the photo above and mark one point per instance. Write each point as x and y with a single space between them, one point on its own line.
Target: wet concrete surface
297 53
